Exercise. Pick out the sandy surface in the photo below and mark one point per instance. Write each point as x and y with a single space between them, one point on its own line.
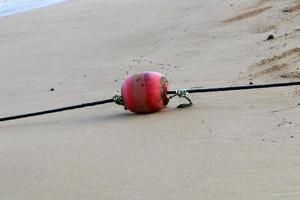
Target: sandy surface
234 145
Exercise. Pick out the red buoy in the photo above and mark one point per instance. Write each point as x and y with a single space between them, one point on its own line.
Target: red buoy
145 92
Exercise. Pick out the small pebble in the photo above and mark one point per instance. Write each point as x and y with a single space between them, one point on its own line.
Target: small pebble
52 89
270 37
287 10
250 83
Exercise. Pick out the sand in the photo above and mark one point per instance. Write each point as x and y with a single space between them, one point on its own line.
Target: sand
230 145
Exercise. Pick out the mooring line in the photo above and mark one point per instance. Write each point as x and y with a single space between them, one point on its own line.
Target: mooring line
245 87
56 110
181 93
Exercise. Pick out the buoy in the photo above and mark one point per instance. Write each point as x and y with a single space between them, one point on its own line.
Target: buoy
145 92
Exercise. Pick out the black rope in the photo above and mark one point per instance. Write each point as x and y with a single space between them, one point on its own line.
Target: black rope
57 110
246 87
118 99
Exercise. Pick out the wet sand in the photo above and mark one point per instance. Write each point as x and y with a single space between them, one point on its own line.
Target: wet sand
230 145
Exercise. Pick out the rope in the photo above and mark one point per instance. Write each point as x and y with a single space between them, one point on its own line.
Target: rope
222 89
57 110
182 93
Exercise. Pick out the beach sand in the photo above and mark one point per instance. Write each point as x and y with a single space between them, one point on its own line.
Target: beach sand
228 145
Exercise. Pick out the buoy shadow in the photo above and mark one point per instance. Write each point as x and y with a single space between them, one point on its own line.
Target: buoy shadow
129 116
81 120
124 116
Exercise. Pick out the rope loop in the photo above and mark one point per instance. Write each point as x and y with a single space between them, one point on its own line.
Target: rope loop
182 93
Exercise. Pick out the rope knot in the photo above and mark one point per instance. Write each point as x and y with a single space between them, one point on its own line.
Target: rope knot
182 92
118 100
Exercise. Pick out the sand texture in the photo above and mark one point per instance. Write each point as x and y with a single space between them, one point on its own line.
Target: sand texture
229 145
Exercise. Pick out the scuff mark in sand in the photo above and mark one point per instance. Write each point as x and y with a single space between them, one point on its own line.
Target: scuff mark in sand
275 68
283 66
250 12
291 75
293 8
263 28
284 109
279 57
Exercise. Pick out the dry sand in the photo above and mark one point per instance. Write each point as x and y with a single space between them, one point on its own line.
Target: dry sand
233 145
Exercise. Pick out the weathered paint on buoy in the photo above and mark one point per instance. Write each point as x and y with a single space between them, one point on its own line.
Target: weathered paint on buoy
145 92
